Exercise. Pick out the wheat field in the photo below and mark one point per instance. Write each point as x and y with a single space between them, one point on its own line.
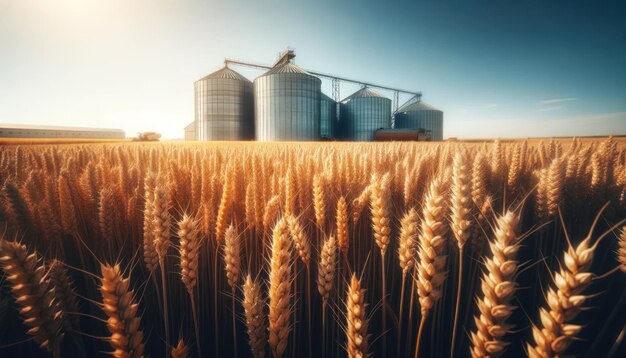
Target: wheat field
313 249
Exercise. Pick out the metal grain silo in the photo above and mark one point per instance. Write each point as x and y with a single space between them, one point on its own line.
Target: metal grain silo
362 113
224 107
328 117
416 114
287 104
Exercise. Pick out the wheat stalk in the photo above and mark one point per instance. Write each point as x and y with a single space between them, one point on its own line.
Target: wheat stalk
162 227
431 250
189 250
381 225
460 219
406 254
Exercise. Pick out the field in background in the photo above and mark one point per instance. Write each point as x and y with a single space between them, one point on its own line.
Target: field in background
313 249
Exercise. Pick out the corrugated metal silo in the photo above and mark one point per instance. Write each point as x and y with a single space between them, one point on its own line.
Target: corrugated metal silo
287 104
417 114
224 107
362 113
328 114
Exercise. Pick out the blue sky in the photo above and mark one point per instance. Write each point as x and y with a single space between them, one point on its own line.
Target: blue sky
496 68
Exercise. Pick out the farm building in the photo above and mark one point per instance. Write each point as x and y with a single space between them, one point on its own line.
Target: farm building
190 131
41 131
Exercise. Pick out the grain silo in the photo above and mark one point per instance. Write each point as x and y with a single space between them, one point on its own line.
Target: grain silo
328 117
287 104
224 107
416 115
362 113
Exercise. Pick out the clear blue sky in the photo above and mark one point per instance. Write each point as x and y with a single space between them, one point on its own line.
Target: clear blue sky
496 68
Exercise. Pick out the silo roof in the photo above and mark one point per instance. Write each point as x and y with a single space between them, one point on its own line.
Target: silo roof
364 92
227 73
286 67
416 106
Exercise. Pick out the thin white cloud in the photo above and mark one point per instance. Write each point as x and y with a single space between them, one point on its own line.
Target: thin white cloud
557 100
550 109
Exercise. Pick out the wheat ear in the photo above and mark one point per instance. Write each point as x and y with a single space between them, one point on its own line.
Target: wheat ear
150 256
359 204
253 303
232 263
621 251
118 304
280 288
327 268
232 257
319 200
181 350
356 320
272 209
162 227
342 226
28 281
381 220
300 240
460 219
189 250
65 295
498 289
565 299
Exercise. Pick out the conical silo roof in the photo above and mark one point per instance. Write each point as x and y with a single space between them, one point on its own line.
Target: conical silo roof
286 67
415 106
364 92
227 73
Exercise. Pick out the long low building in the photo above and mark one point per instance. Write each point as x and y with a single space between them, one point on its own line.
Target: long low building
41 131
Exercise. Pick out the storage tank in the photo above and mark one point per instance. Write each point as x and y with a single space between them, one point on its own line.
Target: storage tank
363 113
417 135
328 114
416 114
224 106
287 104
